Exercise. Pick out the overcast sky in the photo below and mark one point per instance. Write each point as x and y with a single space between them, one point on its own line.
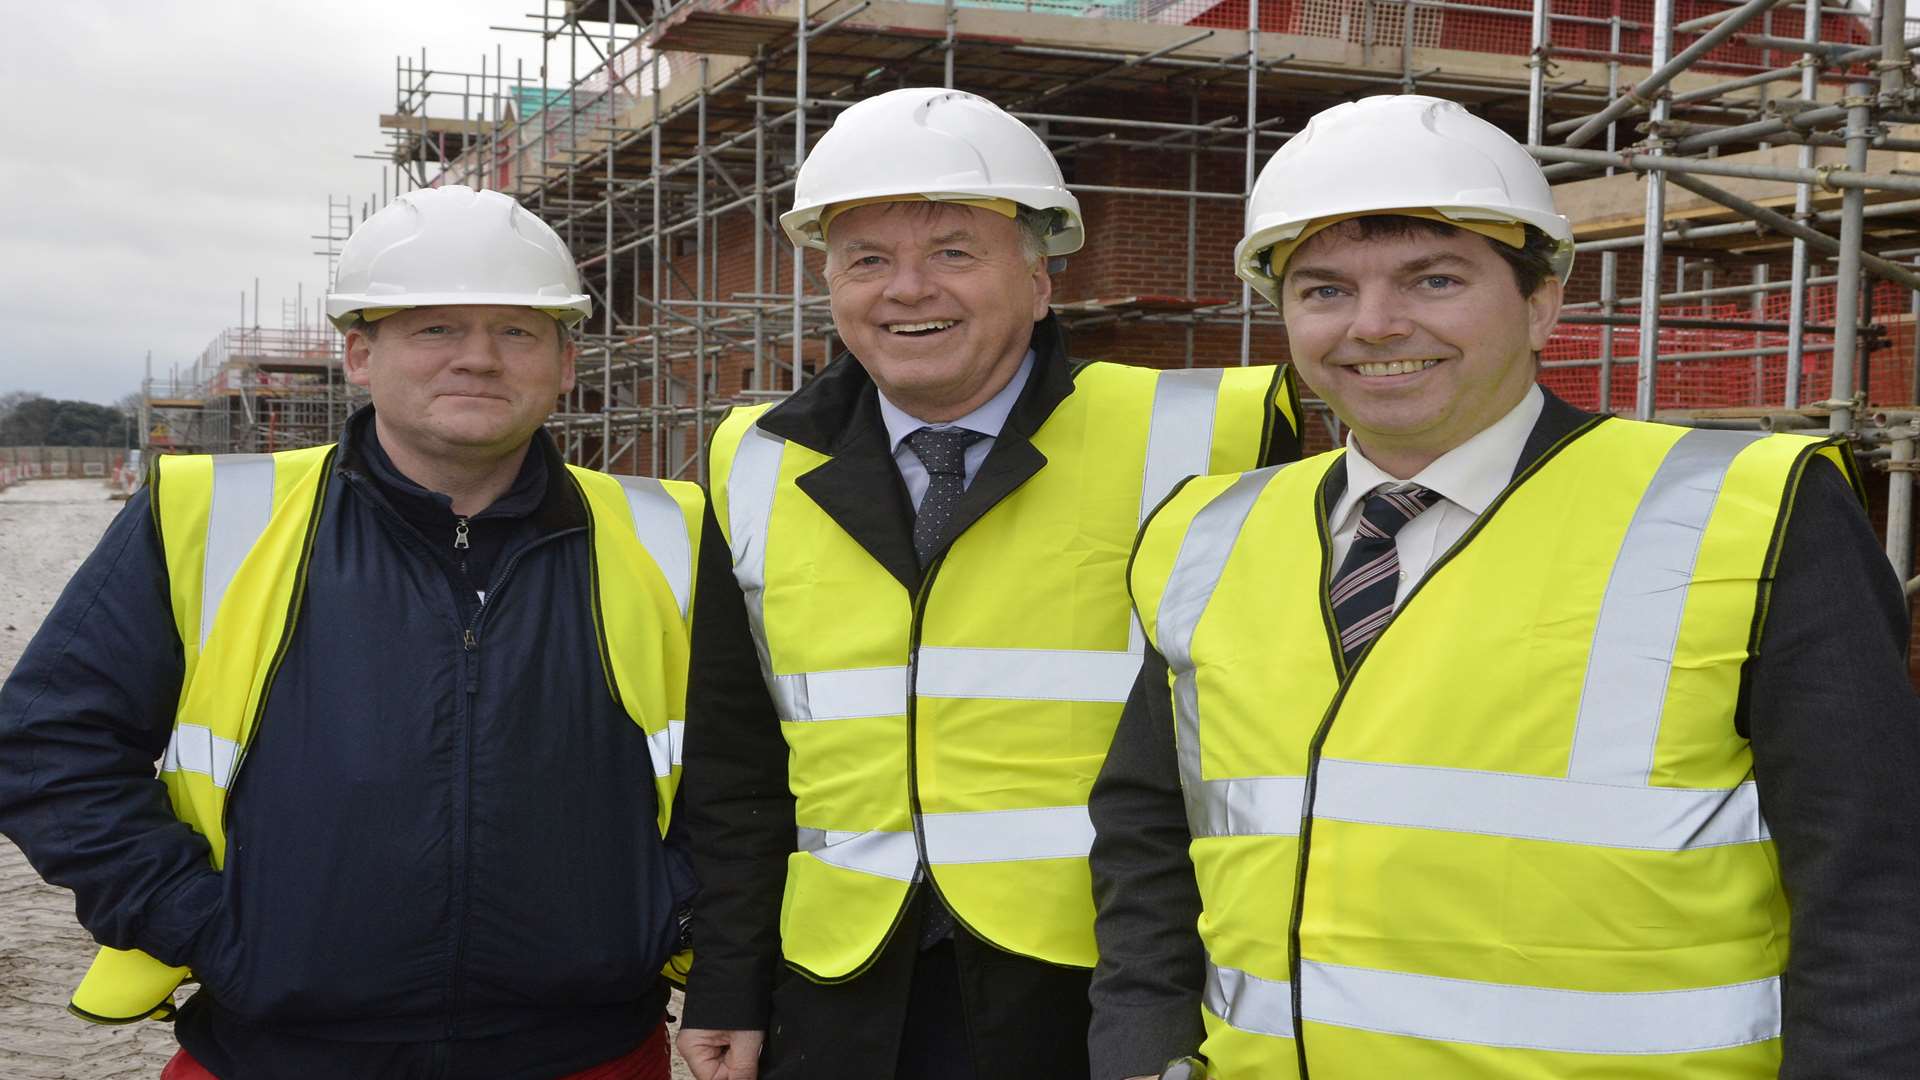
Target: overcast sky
157 157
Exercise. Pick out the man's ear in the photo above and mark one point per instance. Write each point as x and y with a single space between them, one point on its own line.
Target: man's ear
1543 312
569 351
1042 288
358 357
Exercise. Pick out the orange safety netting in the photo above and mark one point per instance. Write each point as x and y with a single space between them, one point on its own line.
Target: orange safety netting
1884 370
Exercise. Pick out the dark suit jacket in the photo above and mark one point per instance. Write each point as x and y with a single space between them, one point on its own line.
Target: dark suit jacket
1836 741
1023 1017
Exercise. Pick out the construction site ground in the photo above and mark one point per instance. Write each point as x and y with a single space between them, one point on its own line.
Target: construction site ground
47 527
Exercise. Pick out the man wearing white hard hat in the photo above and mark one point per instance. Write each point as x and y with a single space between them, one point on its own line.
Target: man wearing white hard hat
415 699
923 554
1509 740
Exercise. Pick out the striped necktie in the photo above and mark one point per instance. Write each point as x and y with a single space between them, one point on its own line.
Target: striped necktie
1363 591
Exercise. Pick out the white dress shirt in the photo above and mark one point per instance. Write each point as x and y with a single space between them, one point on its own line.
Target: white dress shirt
988 419
1467 478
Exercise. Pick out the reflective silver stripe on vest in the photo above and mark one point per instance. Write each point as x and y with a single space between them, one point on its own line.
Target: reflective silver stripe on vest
1249 1002
665 747
847 694
662 530
1639 624
1534 1018
1180 436
1248 806
1537 807
240 507
882 854
985 836
1047 832
1196 571
195 748
1026 674
1179 445
1498 1014
750 488
1010 674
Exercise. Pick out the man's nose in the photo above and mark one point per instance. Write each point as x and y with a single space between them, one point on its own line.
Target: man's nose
909 283
479 354
1379 315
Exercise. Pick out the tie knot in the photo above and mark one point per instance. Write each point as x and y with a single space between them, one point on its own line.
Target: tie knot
1384 512
943 451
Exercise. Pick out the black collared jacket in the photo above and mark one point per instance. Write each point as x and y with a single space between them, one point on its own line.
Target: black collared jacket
1022 1016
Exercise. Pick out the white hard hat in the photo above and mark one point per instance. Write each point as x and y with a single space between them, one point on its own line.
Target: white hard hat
1388 153
455 245
941 145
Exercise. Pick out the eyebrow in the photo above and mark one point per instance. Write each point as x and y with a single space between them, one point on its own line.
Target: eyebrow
957 236
1411 266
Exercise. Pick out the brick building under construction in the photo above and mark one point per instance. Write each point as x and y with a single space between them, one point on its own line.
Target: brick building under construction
1744 166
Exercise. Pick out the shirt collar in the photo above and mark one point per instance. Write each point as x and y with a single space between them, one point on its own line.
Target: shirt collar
988 419
1470 475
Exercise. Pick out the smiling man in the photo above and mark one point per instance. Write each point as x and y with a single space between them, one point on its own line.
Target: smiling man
928 551
453 669
1509 741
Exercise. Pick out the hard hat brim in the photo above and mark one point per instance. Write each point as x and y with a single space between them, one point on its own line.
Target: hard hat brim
343 309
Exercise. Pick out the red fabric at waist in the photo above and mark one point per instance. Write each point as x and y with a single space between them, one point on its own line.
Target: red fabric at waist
648 1061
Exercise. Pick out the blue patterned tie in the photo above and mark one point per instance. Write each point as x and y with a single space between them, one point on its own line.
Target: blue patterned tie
943 453
1362 592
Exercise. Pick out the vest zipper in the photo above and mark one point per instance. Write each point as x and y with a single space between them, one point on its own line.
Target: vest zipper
913 764
913 732
460 535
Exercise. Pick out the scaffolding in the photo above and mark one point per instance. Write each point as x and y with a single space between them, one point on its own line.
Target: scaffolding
251 390
1743 162
257 389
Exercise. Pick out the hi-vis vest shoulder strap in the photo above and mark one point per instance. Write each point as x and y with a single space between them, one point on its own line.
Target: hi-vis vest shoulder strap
963 726
1520 836
237 532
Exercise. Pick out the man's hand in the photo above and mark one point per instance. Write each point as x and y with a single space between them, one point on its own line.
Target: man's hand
721 1055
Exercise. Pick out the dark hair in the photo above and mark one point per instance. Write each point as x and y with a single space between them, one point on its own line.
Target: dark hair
1531 264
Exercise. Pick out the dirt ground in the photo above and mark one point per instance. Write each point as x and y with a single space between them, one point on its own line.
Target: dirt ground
47 527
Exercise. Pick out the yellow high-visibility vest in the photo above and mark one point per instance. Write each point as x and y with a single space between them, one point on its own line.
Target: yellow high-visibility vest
1520 837
237 532
967 722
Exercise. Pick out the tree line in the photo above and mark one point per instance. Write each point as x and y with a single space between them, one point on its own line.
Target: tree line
30 419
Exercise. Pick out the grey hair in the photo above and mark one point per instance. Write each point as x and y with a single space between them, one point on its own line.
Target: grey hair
1033 227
